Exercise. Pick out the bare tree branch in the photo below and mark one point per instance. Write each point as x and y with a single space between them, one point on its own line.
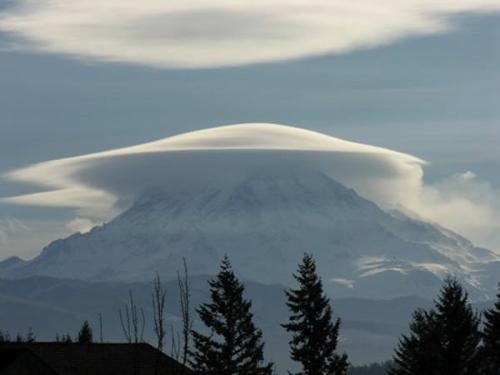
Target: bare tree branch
132 324
187 321
125 324
175 341
141 336
100 328
159 295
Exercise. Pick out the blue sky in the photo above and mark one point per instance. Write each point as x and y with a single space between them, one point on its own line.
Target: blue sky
434 96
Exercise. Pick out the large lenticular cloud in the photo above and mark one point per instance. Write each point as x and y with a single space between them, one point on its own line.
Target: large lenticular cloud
100 185
199 34
223 155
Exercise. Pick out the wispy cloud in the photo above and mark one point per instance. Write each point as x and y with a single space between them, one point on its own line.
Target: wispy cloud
466 204
198 34
10 226
81 224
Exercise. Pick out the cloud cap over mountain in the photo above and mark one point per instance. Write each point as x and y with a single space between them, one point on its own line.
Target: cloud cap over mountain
217 156
100 185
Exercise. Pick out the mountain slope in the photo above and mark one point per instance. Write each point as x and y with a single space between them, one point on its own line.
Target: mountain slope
265 223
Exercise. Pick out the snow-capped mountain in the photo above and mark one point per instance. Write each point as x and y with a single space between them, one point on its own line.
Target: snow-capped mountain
263 194
264 223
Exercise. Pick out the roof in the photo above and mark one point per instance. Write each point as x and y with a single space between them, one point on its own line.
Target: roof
95 359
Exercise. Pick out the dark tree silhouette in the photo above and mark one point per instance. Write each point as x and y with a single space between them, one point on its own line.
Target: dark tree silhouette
159 296
314 334
443 340
85 333
132 321
4 336
187 321
64 339
490 350
30 336
234 345
101 338
418 352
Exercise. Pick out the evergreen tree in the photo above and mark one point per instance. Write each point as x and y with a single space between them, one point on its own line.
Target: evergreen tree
66 339
30 337
85 334
491 340
314 334
460 336
4 336
444 340
234 345
418 352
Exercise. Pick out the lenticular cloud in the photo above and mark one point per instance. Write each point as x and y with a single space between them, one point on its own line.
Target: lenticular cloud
224 155
201 34
99 186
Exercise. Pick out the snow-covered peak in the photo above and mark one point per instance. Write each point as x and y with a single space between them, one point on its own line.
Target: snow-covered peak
264 224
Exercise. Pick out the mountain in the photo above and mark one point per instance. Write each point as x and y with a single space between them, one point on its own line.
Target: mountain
264 222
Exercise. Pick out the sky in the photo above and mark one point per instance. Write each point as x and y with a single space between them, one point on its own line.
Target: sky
421 77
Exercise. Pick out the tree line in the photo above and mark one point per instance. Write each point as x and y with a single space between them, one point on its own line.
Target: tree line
449 338
234 345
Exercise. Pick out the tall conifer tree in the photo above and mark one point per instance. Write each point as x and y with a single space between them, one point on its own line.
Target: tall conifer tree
234 345
444 340
314 333
418 352
85 333
491 340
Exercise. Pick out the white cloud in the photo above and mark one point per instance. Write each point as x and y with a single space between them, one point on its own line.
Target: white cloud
81 225
25 238
100 185
465 204
200 33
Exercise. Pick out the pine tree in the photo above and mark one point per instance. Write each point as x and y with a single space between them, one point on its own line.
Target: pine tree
491 340
66 339
30 337
4 336
418 352
234 345
460 336
315 335
443 340
85 334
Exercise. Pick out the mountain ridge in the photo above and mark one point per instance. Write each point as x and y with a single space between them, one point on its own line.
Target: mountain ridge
264 223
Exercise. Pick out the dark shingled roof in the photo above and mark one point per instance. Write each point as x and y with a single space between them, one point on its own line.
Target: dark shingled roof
94 359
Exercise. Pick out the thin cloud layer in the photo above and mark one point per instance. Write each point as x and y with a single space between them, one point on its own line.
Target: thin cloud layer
100 185
216 33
